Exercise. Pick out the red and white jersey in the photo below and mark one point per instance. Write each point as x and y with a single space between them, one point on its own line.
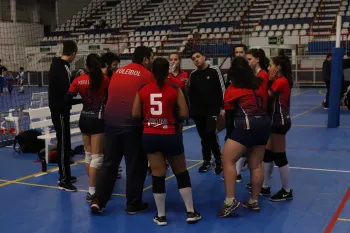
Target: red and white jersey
159 108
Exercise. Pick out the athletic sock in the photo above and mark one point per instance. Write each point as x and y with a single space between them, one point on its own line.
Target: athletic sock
268 169
160 203
186 194
229 201
252 201
239 165
285 176
92 190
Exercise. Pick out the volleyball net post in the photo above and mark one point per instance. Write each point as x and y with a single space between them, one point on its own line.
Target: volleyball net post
336 80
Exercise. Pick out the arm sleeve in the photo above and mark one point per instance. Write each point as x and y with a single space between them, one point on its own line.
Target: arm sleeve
275 87
72 92
221 84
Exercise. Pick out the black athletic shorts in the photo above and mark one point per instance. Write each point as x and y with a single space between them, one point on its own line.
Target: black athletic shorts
281 127
257 135
89 125
167 144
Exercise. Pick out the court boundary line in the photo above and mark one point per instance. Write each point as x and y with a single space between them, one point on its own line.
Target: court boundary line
37 174
344 219
86 191
337 213
298 168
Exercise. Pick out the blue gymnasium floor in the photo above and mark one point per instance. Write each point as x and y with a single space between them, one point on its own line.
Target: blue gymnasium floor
320 174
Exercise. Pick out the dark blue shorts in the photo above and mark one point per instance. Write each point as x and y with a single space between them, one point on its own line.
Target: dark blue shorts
257 135
167 144
90 125
281 127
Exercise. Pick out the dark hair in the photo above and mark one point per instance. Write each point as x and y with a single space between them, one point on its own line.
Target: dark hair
140 53
196 51
109 58
69 47
245 48
93 63
347 54
160 70
286 67
242 76
328 55
259 53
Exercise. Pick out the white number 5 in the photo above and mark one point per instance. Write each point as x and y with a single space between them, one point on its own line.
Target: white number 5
158 104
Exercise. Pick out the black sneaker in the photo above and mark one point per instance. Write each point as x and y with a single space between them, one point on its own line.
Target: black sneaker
67 187
193 217
252 206
136 209
205 167
88 197
248 186
227 209
218 168
239 178
282 195
161 221
72 180
95 207
263 192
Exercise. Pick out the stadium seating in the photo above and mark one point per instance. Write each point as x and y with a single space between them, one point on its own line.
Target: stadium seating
214 26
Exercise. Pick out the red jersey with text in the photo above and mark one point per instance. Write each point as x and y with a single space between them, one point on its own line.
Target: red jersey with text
159 108
93 101
246 104
124 85
179 79
263 90
280 107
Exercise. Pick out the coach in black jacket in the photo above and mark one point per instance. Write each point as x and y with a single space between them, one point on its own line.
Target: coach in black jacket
206 92
59 83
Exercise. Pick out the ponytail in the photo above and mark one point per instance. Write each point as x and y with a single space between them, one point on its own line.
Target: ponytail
160 70
93 62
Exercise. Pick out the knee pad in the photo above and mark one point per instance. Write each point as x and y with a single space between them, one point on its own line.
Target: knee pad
96 161
88 157
183 180
268 156
158 184
280 159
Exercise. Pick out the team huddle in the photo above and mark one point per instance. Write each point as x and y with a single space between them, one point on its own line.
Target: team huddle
139 113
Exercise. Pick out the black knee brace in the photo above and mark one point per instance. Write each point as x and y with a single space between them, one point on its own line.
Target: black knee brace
158 183
268 156
183 180
280 159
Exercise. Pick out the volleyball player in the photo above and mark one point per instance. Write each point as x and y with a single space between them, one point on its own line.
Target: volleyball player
93 88
155 103
281 74
257 61
252 126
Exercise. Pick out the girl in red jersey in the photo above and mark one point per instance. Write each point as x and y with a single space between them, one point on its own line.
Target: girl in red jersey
281 74
252 126
92 87
258 62
155 103
176 74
